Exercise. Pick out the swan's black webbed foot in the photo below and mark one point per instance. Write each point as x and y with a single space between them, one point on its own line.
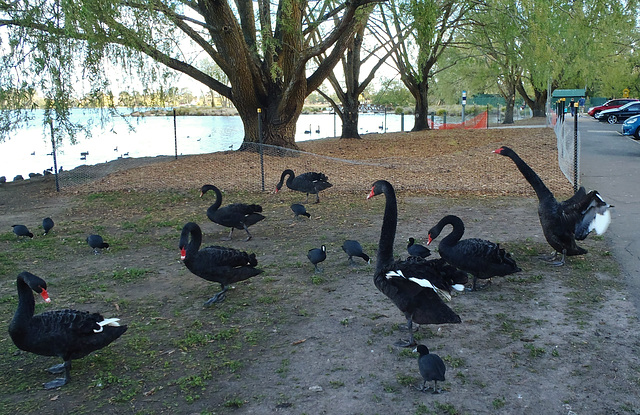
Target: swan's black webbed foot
218 298
56 369
56 383
406 343
553 259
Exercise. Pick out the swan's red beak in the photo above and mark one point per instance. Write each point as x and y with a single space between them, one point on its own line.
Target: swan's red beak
201 194
371 194
497 151
183 254
45 296
277 190
430 240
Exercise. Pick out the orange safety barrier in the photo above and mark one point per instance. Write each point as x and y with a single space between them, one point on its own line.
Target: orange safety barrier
479 121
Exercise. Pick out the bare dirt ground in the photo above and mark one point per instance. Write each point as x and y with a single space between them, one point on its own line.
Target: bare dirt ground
544 341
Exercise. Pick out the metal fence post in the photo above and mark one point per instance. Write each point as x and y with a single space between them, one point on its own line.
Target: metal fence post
175 133
260 146
575 148
53 152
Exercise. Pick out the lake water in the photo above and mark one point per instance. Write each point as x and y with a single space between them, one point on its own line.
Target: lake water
29 148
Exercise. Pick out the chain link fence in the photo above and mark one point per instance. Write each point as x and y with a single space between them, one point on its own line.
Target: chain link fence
443 161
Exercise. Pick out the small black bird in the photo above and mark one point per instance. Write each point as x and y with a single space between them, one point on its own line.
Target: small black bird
316 256
353 248
47 225
431 367
299 209
418 250
96 242
21 230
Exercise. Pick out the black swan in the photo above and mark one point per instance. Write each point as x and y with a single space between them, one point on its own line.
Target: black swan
481 258
96 242
316 256
234 216
68 334
47 225
415 284
353 248
431 367
418 250
21 230
299 209
215 263
310 182
564 222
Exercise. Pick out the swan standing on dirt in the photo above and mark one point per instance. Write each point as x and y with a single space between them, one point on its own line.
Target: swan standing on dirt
564 222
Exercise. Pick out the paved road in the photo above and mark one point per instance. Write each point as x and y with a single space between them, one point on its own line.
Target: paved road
610 164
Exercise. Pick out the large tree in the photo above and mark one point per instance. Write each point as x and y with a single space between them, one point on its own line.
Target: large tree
262 47
433 26
349 90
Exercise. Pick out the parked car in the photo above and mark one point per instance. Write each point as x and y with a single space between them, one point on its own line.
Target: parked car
619 114
611 104
632 127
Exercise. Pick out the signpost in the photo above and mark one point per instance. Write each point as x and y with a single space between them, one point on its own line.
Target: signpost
464 103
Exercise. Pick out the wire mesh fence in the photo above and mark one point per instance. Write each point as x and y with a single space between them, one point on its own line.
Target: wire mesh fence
443 161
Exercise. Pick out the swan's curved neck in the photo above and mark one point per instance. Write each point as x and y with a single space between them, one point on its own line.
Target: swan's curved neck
534 180
218 201
289 179
456 233
191 239
388 231
26 303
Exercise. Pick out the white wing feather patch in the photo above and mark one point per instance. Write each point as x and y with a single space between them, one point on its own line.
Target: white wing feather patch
107 322
601 222
421 282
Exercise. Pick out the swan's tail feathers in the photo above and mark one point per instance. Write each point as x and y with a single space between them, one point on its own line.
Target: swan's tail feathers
106 322
596 217
421 282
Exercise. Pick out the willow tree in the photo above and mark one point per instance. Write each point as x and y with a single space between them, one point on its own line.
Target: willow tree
262 47
575 43
355 82
433 26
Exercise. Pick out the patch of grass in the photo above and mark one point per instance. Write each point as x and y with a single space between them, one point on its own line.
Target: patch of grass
499 403
406 380
192 339
534 351
283 370
129 275
336 384
234 403
454 362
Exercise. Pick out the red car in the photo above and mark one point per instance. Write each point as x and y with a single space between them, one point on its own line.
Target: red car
612 103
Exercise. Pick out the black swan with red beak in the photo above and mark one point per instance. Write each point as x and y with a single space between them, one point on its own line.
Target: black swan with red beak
564 222
415 285
67 334
215 263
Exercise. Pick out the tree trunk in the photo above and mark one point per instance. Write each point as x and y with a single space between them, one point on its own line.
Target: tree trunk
350 118
422 107
539 101
275 130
